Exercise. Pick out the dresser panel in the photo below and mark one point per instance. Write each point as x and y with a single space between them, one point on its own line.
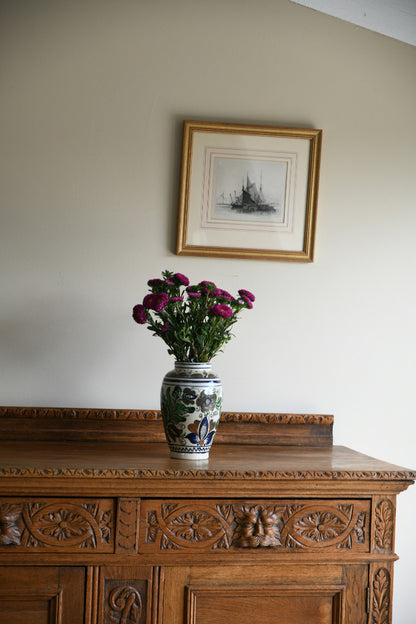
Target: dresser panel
230 525
57 524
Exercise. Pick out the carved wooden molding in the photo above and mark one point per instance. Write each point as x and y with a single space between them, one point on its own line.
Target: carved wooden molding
201 473
383 525
291 526
78 414
149 415
57 524
381 601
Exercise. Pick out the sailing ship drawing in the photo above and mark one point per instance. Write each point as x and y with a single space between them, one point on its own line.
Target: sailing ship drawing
248 191
251 199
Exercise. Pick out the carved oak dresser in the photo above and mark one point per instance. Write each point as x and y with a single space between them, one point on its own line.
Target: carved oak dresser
98 525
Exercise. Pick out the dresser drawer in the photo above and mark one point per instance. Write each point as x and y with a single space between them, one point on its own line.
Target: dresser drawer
233 525
57 524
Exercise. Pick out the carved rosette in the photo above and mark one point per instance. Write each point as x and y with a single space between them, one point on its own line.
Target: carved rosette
381 600
58 524
197 525
384 525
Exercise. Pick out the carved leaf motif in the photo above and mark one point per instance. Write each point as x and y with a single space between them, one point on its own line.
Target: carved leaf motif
125 605
104 523
359 528
381 597
384 525
127 525
152 527
167 544
10 531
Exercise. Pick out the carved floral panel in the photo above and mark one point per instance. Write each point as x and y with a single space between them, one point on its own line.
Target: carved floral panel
57 524
383 525
289 525
381 597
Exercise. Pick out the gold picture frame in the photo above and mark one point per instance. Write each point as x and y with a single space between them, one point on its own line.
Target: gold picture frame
248 191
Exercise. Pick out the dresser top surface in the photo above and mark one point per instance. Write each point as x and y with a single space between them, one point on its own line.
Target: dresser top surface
98 460
106 452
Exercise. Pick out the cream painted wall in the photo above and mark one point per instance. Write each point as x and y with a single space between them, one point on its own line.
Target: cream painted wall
93 95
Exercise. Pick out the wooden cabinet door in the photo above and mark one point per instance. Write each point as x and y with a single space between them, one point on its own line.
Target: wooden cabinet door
268 594
41 595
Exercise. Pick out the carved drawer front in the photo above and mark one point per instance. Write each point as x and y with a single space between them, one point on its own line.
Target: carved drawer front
57 525
285 525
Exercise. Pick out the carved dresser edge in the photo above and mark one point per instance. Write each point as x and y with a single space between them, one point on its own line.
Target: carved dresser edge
108 473
155 415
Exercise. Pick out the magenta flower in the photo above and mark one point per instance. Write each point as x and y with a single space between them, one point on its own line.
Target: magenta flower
139 314
247 293
155 282
155 302
221 309
207 285
248 303
225 295
181 279
194 320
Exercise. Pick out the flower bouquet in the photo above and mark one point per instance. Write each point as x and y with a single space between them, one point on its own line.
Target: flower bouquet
195 322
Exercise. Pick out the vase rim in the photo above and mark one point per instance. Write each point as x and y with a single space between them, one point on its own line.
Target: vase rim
179 363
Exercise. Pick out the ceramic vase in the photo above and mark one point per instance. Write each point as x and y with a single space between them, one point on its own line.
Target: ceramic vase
191 398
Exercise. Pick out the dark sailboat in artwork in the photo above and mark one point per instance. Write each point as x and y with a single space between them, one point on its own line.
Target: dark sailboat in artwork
251 199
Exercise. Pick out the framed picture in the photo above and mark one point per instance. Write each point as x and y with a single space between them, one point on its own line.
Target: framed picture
248 191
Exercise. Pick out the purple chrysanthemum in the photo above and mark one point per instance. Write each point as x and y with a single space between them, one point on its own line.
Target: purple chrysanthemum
181 279
139 314
221 309
154 282
225 295
216 292
248 303
175 299
193 295
247 293
155 302
165 327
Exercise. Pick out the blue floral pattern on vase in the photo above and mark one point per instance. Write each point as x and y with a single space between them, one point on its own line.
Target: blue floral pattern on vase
191 399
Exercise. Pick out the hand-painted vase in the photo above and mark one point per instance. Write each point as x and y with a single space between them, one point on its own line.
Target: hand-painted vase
191 398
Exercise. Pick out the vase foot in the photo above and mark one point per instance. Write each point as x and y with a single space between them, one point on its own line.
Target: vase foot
190 455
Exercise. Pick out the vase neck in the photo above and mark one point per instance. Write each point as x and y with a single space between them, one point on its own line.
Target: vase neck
193 365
